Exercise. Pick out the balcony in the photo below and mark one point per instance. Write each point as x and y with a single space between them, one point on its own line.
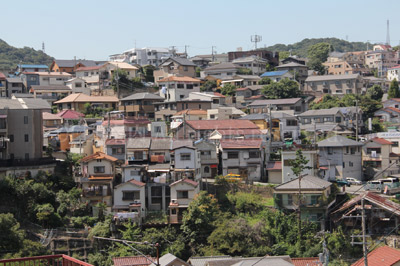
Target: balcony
51 260
97 193
137 134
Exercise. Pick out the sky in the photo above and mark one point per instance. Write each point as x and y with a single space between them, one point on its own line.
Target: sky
95 29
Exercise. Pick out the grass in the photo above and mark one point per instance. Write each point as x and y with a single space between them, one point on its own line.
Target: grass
269 202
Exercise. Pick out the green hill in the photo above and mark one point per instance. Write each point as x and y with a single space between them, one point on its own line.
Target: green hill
11 56
300 48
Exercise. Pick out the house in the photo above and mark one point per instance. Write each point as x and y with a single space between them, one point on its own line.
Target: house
183 192
98 173
333 84
388 114
107 70
69 115
65 135
160 150
244 157
241 80
200 62
381 256
185 160
130 197
78 85
321 120
278 75
137 150
31 68
3 85
170 260
159 129
255 63
377 154
346 67
294 59
51 121
77 102
82 144
116 148
139 105
382 214
153 56
382 60
136 128
217 99
175 66
221 71
176 88
248 94
259 119
340 157
274 172
215 58
316 201
133 261
224 113
208 158
393 73
263 106
271 57
15 85
203 128
300 71
70 66
189 114
50 93
92 76
288 154
219 134
393 102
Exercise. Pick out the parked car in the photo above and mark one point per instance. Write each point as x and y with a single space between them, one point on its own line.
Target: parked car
353 181
342 182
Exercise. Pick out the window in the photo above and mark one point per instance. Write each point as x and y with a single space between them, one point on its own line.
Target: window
26 136
11 137
344 165
118 151
291 122
351 164
347 149
314 199
130 195
353 150
25 120
189 86
289 200
185 156
3 123
183 194
78 85
216 101
180 86
395 144
173 211
338 119
157 129
26 156
99 169
254 154
185 68
212 116
330 150
206 169
233 155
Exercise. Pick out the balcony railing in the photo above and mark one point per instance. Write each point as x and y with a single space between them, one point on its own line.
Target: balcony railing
51 260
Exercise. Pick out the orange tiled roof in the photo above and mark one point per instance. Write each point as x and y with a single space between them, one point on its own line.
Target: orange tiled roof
137 183
179 79
221 124
133 261
98 156
101 177
382 256
241 143
382 141
306 262
187 181
192 112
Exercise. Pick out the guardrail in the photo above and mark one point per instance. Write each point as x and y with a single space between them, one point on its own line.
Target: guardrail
50 260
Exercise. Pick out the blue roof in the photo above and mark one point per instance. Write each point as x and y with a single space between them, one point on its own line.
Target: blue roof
274 73
33 66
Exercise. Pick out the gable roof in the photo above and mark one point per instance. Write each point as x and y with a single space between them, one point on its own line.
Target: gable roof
70 114
179 143
168 258
306 262
138 143
332 77
133 261
275 101
291 64
72 63
181 61
84 98
185 180
24 103
222 66
338 141
221 124
381 141
274 73
142 96
317 112
98 156
241 143
50 116
382 256
308 182
202 261
178 79
161 144
137 183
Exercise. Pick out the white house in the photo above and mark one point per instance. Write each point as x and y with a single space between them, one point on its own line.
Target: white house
289 154
185 160
182 193
130 197
78 85
393 73
132 172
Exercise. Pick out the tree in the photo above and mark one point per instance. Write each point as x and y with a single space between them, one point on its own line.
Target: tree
11 236
228 89
284 55
198 220
394 89
121 80
375 92
148 72
46 215
283 89
317 54
265 81
209 85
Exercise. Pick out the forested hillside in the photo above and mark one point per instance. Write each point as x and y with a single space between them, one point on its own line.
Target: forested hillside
11 56
301 48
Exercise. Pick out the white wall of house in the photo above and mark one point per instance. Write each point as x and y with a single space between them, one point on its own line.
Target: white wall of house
185 158
180 187
242 163
393 74
131 172
128 187
287 173
108 167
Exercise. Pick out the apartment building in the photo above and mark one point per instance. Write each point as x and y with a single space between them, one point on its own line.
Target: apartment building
333 84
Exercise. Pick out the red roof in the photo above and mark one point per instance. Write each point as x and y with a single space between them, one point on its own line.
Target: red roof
274 166
113 123
382 256
241 143
187 181
219 94
221 124
236 132
137 121
395 99
98 156
2 76
133 261
115 142
255 97
382 141
242 89
398 66
137 183
392 109
306 262
70 114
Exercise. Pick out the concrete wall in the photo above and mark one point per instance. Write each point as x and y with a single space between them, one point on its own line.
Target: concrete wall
108 167
118 194
182 186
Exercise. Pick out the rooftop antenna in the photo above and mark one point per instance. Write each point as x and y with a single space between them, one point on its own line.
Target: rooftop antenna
387 34
43 50
256 39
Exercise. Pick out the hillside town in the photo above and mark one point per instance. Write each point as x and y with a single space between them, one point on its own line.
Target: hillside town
155 157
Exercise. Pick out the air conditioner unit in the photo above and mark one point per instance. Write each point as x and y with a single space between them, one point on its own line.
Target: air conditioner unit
136 202
174 201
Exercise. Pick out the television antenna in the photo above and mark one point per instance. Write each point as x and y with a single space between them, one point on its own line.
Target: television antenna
256 39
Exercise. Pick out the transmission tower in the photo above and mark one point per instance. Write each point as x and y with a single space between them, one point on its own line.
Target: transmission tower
256 39
43 47
387 34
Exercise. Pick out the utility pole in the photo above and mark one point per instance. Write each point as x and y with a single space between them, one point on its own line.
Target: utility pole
299 210
357 120
270 126
173 50
186 54
365 248
212 53
117 79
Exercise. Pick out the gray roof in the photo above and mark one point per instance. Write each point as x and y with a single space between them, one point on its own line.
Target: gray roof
336 54
24 103
51 87
23 95
159 166
273 260
317 112
167 259
138 143
338 141
332 77
72 63
275 101
176 143
322 127
181 61
202 261
256 116
71 129
14 80
291 64
246 77
222 66
142 96
161 144
307 182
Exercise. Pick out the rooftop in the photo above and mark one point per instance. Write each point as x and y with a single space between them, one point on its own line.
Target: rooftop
275 101
142 96
98 156
241 143
307 182
133 261
180 61
83 98
179 79
70 114
317 112
24 103
332 77
382 256
274 73
221 124
50 88
185 180
338 141
227 65
72 63
138 143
